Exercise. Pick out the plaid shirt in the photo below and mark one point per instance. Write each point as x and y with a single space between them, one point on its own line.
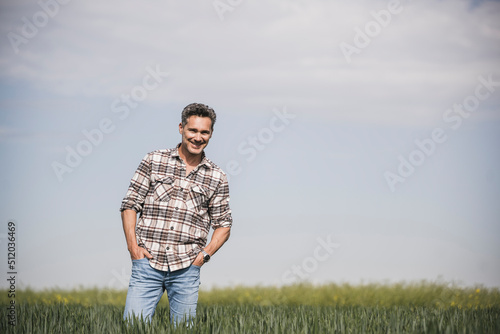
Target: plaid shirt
176 211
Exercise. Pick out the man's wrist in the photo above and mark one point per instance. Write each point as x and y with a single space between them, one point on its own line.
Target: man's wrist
206 256
132 247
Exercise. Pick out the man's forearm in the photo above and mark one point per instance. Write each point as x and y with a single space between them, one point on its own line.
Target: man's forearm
219 237
129 218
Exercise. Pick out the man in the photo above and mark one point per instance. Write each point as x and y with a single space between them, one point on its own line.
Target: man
179 194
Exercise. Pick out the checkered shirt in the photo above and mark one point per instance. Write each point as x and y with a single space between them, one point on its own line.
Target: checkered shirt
176 211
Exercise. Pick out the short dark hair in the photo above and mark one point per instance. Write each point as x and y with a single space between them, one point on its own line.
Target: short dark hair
198 109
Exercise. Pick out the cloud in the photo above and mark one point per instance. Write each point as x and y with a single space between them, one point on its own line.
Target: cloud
264 54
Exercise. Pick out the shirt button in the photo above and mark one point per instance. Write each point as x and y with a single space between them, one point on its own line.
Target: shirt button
171 227
168 248
176 208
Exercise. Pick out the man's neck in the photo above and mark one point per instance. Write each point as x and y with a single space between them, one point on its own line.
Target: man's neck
190 159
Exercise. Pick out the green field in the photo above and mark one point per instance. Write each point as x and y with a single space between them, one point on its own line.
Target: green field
398 308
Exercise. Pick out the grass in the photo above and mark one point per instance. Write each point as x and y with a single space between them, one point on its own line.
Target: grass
400 308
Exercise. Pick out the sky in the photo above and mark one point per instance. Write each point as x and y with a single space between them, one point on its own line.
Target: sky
360 138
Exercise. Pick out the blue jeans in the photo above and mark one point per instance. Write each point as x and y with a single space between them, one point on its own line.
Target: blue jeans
148 284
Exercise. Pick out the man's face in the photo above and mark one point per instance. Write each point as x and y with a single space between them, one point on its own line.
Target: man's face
195 134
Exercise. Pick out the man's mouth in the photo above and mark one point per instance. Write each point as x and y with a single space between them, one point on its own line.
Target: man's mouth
197 146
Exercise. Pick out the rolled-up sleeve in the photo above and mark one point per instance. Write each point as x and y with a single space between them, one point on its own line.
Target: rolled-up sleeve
139 187
220 213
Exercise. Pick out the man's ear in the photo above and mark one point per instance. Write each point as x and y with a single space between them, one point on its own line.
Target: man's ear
180 128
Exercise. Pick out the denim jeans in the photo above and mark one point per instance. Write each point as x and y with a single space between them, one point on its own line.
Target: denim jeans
148 284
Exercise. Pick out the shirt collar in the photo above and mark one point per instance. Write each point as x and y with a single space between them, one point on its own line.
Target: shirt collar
204 160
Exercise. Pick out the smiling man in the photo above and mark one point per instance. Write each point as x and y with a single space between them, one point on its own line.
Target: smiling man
179 194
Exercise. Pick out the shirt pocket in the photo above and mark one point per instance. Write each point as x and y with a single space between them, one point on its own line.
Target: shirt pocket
163 189
197 199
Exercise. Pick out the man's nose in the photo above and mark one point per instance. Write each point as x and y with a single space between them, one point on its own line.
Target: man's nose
197 137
